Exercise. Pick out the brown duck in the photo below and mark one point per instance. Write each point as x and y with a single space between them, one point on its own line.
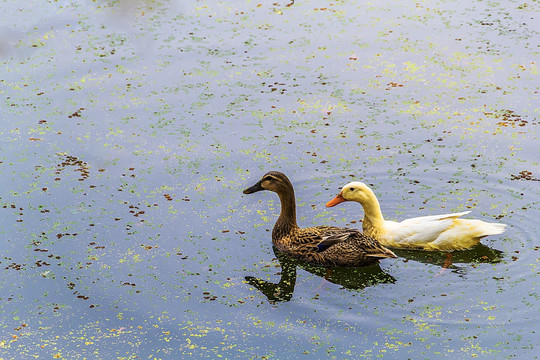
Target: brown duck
319 245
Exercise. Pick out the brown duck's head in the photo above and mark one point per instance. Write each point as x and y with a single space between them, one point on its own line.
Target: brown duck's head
272 181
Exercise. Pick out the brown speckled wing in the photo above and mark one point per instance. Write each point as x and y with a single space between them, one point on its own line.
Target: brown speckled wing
332 246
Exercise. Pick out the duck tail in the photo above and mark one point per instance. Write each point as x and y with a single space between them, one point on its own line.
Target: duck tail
389 253
383 253
494 228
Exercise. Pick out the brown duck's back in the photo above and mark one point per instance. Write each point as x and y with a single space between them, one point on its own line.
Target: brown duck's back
332 246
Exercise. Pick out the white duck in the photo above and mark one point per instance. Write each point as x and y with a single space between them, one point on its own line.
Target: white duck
439 232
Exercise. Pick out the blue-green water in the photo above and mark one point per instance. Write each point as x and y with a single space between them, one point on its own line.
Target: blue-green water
129 130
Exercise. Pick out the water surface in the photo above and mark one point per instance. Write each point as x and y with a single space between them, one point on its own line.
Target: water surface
130 128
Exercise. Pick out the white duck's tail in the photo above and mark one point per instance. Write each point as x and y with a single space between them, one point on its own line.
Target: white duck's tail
493 228
466 233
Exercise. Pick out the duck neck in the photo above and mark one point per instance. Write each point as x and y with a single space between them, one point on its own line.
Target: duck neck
287 218
373 217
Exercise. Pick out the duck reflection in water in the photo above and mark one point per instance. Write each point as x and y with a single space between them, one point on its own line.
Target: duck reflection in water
353 278
451 260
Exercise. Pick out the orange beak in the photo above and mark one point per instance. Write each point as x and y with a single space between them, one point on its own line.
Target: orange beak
337 200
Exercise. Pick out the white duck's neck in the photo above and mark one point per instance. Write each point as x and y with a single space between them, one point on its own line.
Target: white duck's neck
373 217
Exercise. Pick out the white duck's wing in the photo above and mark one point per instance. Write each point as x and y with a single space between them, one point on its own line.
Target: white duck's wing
434 217
419 231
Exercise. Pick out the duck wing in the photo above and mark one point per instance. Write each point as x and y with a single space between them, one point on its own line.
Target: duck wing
333 239
330 237
421 230
435 217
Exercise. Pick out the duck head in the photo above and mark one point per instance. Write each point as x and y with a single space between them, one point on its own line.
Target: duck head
272 181
353 191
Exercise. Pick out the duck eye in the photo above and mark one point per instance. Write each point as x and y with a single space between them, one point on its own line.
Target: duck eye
351 189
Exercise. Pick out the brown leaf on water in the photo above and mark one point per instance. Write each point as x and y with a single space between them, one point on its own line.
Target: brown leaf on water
524 175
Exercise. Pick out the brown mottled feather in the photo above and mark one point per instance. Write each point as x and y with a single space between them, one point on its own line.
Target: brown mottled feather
350 248
319 245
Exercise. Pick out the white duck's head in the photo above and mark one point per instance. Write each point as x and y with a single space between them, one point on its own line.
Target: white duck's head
353 191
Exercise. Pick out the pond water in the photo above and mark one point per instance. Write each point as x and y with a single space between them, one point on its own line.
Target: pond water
130 128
